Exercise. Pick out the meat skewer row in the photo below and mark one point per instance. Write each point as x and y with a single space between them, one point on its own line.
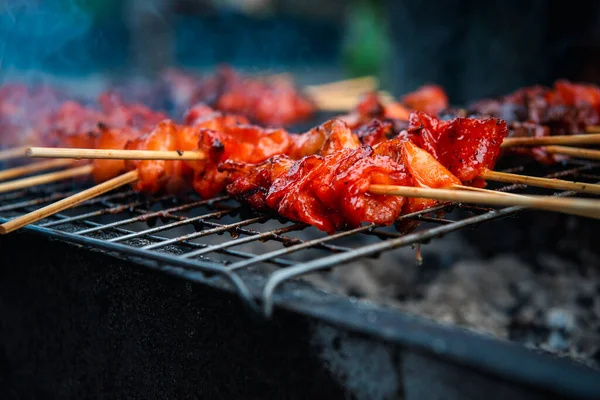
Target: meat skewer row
229 139
273 101
207 138
429 98
440 138
251 144
524 138
342 164
74 125
332 190
539 111
305 144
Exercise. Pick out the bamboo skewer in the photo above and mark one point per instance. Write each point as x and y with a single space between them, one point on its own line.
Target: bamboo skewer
46 178
592 129
34 167
14 152
50 152
574 152
68 202
582 207
482 190
548 183
593 138
368 82
173 155
344 103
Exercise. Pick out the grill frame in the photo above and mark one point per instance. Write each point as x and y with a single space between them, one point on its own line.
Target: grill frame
502 359
294 270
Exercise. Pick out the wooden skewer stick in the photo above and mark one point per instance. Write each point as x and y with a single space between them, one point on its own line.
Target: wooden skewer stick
575 206
482 190
592 129
549 140
344 103
548 183
15 152
50 152
173 155
362 82
68 202
341 92
46 178
33 167
574 152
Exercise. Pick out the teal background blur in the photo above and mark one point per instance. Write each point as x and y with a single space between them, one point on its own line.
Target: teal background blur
111 36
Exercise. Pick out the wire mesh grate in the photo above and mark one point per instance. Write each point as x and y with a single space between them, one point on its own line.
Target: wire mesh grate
218 236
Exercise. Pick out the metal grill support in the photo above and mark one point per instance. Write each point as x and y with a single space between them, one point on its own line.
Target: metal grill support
192 235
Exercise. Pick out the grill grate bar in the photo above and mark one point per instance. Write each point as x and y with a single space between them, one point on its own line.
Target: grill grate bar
239 241
146 216
287 240
38 201
182 222
237 254
114 208
195 235
311 243
280 276
436 220
219 216
36 190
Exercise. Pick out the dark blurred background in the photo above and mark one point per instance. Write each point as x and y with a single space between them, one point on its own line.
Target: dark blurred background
472 48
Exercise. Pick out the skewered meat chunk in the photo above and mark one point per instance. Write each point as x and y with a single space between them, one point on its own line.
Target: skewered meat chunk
73 125
24 113
431 99
276 102
530 129
118 113
157 175
111 138
374 132
566 108
246 143
251 183
330 191
371 107
465 146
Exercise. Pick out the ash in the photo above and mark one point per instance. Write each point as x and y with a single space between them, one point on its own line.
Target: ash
542 293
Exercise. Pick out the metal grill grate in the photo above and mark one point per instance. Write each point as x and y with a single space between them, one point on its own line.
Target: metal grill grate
219 239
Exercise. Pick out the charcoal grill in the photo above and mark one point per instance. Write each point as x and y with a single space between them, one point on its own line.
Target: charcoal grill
216 244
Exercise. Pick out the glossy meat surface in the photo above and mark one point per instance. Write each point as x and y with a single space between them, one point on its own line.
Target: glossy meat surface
465 146
431 99
566 108
242 143
111 138
251 183
330 190
271 102
159 175
530 129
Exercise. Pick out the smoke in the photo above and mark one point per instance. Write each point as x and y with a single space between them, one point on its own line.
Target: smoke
40 35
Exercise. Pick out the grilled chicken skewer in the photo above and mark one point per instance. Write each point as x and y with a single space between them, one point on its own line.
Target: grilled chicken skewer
305 191
214 175
332 190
